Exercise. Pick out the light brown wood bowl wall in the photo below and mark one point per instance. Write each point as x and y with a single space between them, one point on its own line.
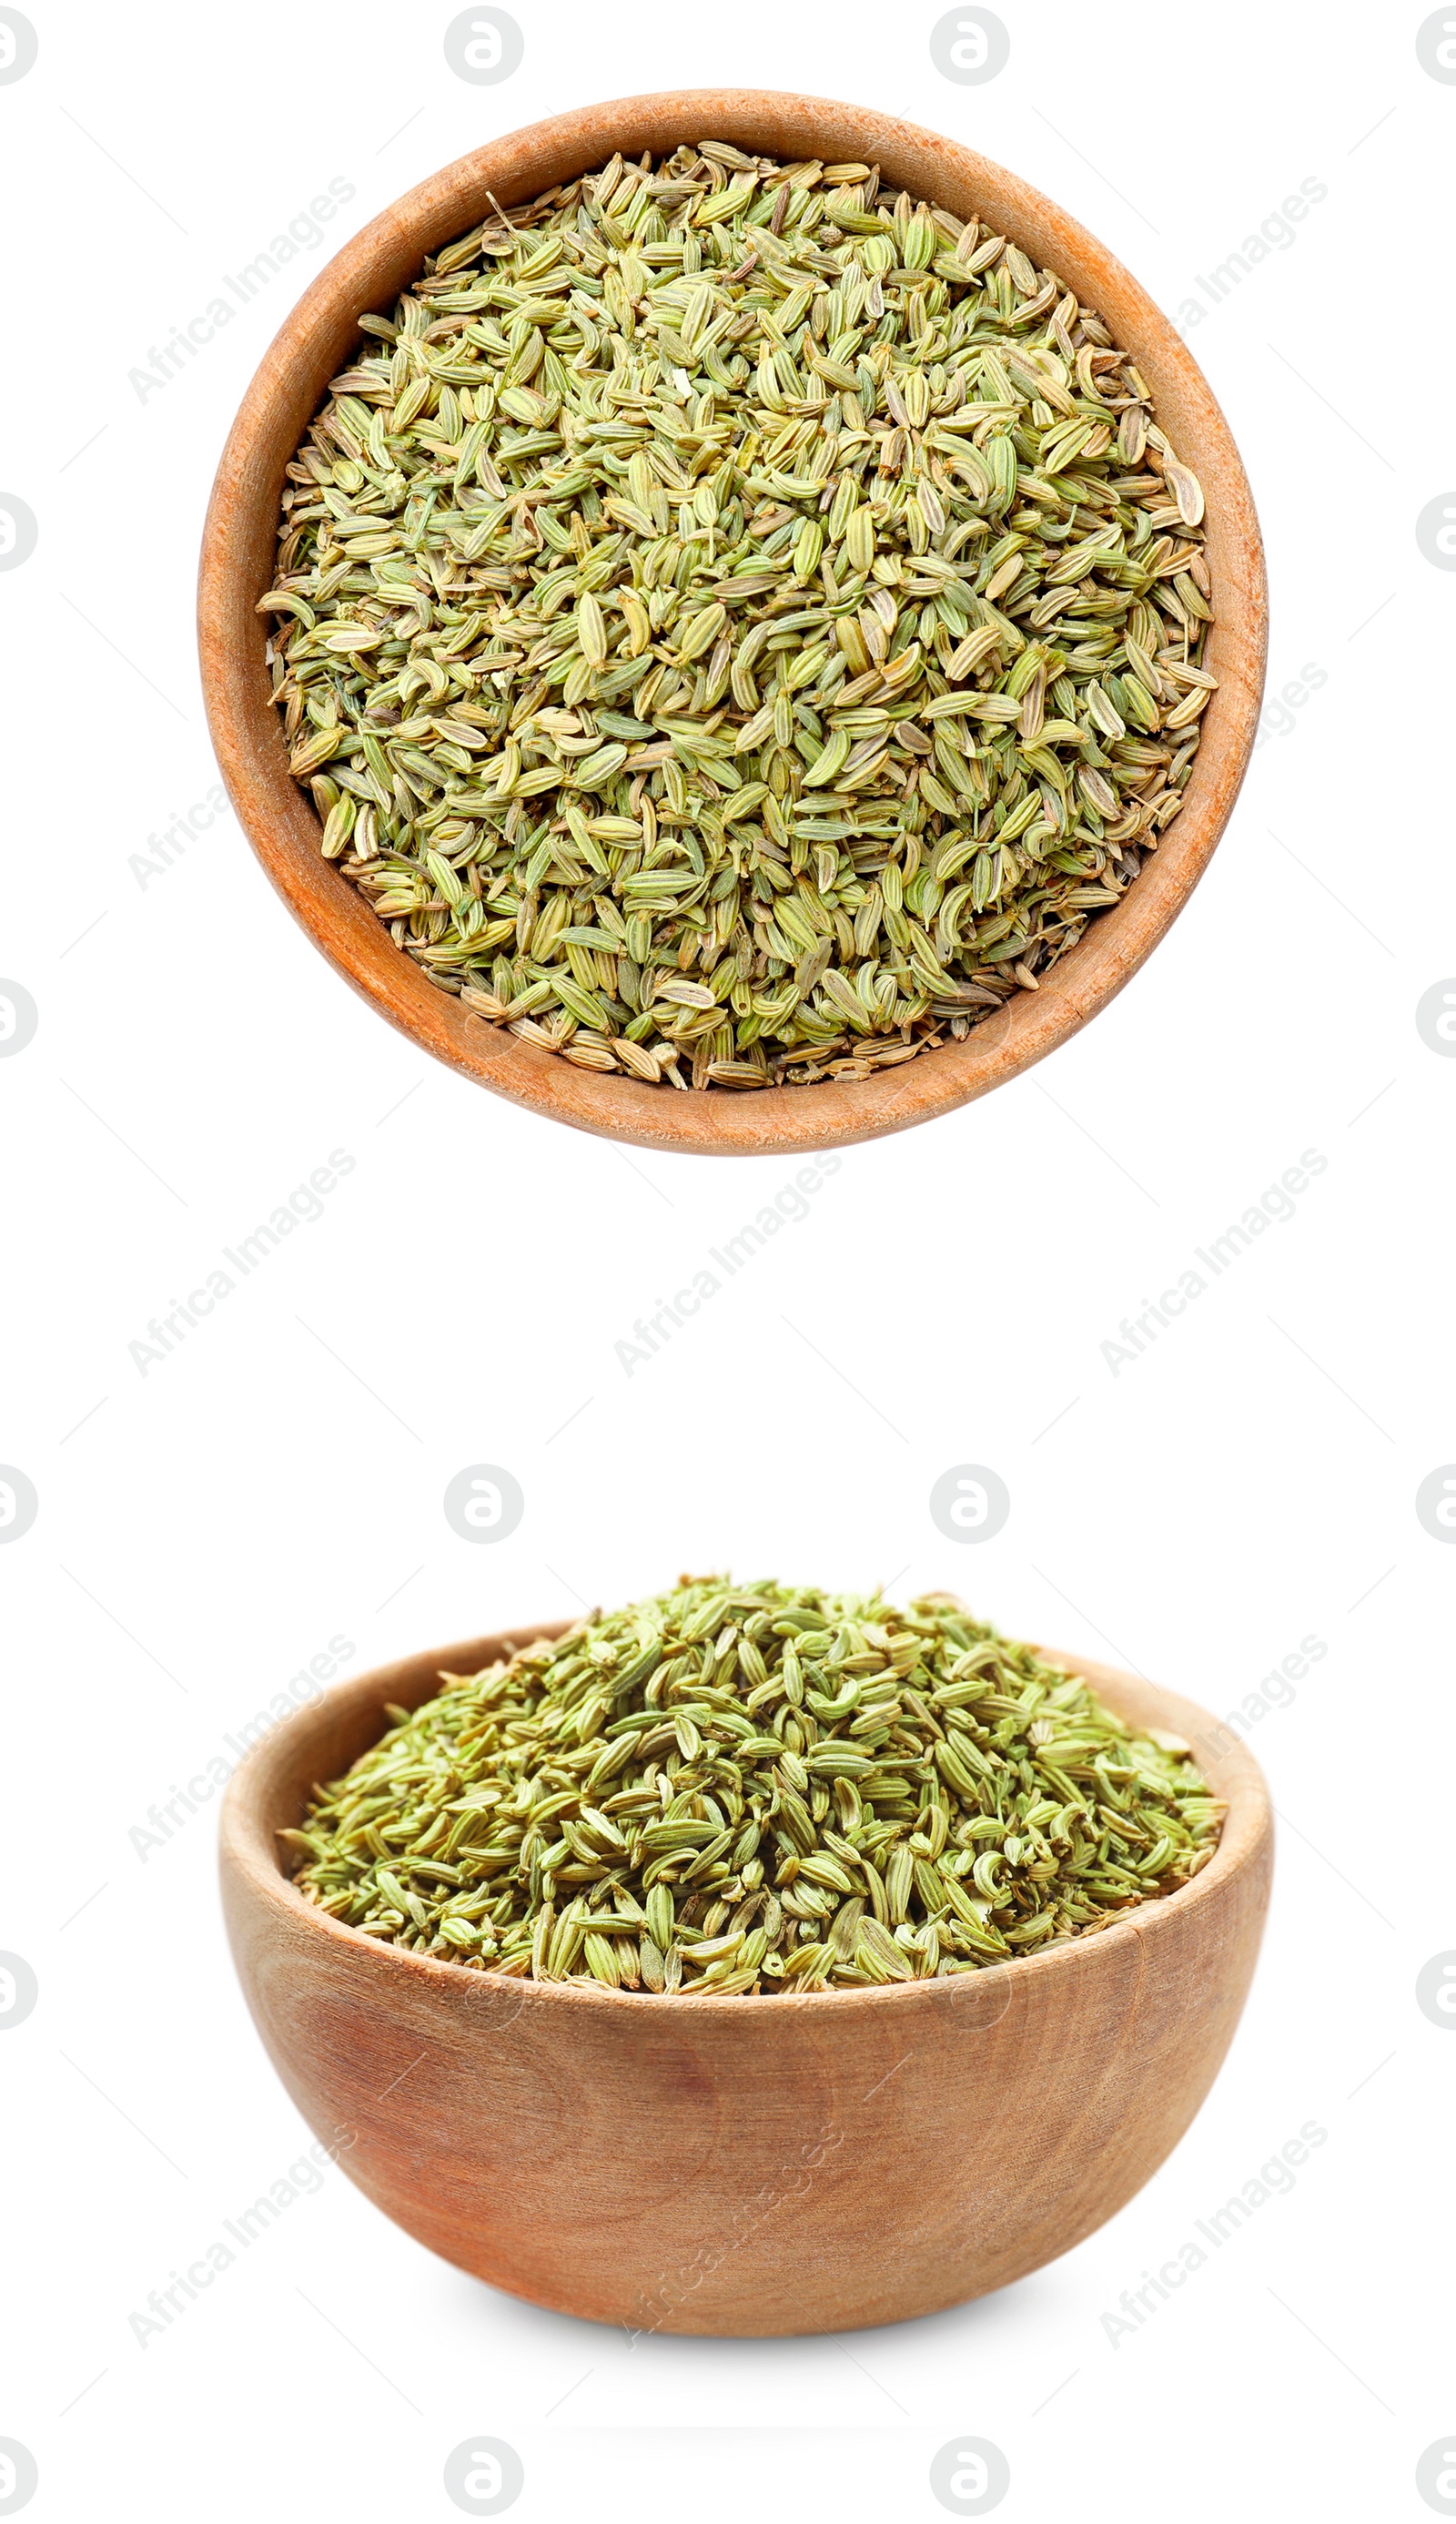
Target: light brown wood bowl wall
741 2166
237 563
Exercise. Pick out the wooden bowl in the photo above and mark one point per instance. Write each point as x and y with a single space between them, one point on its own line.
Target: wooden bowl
237 563
741 2166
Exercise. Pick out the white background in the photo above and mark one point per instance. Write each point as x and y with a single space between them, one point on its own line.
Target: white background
205 1528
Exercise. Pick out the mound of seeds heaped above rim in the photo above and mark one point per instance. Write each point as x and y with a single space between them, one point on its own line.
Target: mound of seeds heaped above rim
741 1790
738 624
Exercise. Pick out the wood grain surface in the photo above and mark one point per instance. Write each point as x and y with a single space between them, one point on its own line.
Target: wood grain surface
237 565
741 2166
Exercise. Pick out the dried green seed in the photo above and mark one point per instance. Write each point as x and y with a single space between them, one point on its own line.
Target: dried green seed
623 576
741 1789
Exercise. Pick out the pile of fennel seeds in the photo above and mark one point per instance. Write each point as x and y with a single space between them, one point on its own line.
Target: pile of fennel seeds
750 1789
737 624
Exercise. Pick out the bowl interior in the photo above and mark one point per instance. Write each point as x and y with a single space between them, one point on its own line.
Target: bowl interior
271 1792
237 563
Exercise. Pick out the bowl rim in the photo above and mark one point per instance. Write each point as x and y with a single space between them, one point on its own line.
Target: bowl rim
245 1851
282 826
